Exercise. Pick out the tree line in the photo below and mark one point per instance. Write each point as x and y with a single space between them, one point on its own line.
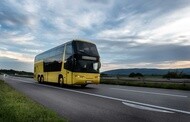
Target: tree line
14 72
171 74
176 74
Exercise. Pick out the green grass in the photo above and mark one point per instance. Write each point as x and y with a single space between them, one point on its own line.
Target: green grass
18 108
166 85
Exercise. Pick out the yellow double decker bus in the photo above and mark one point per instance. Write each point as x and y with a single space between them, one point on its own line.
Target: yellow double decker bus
76 62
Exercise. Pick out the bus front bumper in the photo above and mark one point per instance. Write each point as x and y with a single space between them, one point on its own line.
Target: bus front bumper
86 78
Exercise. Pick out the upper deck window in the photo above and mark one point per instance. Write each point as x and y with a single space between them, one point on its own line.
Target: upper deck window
86 48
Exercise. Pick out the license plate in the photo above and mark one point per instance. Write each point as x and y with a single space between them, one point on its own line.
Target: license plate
88 81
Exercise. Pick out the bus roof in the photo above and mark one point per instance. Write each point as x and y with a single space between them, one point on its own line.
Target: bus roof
83 41
64 44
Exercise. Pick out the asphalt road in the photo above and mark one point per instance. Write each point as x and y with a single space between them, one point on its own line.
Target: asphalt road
110 103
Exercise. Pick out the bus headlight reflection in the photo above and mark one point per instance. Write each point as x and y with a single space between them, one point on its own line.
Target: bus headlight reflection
79 76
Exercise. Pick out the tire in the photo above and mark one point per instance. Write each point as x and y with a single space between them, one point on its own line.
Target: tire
42 79
60 81
39 79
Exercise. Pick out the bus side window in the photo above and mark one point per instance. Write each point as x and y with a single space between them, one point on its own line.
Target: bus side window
68 57
68 52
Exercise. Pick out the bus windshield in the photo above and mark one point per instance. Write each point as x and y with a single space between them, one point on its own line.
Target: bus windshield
85 48
87 66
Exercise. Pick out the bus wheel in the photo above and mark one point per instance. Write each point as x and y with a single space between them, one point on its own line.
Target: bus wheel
42 79
39 79
60 81
83 85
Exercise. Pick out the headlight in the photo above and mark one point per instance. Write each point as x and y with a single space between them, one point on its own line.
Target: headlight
79 76
97 76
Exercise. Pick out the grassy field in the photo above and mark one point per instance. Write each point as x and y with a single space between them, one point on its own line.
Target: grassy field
18 108
166 85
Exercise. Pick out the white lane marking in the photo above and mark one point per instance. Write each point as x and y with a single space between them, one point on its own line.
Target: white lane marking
172 95
113 98
158 107
146 108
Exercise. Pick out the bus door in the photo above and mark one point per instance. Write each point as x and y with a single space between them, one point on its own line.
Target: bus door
46 76
69 77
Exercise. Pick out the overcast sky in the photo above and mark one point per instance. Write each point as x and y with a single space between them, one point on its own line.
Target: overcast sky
128 33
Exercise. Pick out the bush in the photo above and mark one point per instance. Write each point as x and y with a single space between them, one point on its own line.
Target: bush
176 74
132 75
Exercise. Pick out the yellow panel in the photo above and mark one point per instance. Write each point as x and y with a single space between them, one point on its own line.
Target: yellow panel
38 69
69 78
53 76
86 78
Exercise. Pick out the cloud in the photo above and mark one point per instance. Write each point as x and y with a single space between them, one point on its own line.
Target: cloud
89 19
23 40
8 63
131 55
16 56
160 65
144 52
32 50
140 28
175 25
